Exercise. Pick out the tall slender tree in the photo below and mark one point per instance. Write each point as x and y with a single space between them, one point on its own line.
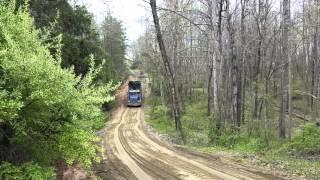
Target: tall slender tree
168 68
284 69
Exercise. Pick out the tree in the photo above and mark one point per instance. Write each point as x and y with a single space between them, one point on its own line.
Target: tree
113 43
44 109
168 68
80 35
284 69
249 59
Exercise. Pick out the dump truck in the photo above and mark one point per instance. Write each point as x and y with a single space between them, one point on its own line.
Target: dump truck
134 93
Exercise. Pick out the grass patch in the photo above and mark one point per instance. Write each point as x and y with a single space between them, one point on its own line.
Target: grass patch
157 117
307 143
195 121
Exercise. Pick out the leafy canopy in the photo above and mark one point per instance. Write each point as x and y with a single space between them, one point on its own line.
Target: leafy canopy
49 111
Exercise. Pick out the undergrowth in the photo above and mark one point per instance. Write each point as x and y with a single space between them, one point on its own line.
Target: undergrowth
300 156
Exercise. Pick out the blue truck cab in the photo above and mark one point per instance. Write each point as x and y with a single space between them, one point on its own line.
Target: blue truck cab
134 93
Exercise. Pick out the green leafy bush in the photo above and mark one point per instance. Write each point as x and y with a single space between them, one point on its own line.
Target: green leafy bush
307 142
77 144
250 144
26 171
158 116
226 139
51 111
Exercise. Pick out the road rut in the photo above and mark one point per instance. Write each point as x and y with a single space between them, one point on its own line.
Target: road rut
132 152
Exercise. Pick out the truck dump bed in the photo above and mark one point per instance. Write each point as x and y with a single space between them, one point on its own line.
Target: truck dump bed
134 85
134 93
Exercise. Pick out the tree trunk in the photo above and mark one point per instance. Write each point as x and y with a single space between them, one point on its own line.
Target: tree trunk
241 76
284 72
234 71
211 84
166 62
219 66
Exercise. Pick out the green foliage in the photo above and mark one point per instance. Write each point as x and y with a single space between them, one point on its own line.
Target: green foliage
78 145
250 144
26 171
213 133
202 135
227 139
195 116
224 137
274 152
114 44
52 111
195 121
9 105
158 116
79 35
307 142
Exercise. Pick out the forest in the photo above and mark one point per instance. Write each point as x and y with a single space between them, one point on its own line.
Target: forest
58 71
239 75
229 89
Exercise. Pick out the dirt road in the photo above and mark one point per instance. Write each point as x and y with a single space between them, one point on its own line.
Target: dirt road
132 152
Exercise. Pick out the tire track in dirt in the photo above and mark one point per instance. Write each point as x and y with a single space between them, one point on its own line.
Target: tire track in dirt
151 167
201 170
217 163
134 153
122 151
